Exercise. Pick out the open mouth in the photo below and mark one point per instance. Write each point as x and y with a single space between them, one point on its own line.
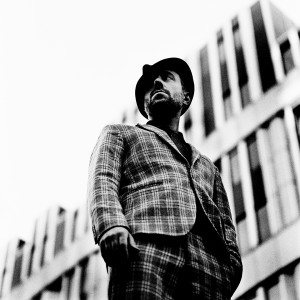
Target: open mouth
158 91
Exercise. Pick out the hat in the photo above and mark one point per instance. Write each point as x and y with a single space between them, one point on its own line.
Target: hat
151 71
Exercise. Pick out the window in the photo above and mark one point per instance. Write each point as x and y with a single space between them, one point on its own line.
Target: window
69 283
240 213
31 260
260 201
240 62
281 174
209 118
282 286
44 244
37 297
32 250
18 264
272 290
75 220
55 286
83 280
297 120
44 249
291 283
286 55
3 273
224 77
60 232
265 64
248 296
245 94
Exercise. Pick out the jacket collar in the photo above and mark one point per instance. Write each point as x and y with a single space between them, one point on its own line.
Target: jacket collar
165 137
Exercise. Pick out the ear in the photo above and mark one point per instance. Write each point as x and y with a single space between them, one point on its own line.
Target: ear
187 99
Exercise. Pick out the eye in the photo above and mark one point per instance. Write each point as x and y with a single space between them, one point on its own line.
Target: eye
165 75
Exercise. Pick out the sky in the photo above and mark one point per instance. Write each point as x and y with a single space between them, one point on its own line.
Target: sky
69 67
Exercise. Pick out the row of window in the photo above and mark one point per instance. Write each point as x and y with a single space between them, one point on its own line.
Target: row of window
266 74
68 285
263 161
58 246
278 286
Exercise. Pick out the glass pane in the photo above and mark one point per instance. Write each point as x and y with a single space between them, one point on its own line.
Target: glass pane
245 95
263 224
273 292
209 118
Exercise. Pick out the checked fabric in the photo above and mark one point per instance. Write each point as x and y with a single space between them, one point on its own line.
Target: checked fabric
172 269
138 179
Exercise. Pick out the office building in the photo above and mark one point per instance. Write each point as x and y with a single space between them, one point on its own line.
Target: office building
60 262
245 117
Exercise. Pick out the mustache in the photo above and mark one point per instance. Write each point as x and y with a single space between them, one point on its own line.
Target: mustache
160 90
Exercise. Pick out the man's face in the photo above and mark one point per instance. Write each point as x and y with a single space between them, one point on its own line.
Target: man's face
165 94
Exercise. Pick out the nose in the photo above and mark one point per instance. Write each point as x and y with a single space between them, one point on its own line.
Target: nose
158 82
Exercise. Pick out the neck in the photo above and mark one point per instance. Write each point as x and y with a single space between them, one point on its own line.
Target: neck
172 124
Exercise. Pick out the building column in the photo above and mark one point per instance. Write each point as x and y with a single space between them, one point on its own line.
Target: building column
286 287
260 294
101 278
90 277
9 267
268 176
295 46
75 287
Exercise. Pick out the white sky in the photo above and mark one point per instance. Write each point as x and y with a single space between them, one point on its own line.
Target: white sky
67 68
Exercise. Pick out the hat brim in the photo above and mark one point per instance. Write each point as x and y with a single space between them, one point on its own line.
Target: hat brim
150 71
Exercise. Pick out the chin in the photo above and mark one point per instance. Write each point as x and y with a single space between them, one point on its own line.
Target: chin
162 110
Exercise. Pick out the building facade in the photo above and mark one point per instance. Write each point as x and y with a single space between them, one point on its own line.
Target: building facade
245 117
249 92
60 262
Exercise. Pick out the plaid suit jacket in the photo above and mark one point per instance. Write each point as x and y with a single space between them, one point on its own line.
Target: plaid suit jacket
138 179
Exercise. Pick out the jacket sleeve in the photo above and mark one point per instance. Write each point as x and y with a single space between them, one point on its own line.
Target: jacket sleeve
220 198
104 181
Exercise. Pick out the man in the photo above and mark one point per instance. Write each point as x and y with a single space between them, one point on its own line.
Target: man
159 209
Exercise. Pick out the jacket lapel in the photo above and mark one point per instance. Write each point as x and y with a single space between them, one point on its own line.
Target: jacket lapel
195 154
165 137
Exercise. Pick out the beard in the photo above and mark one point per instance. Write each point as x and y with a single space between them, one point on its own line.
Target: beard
165 108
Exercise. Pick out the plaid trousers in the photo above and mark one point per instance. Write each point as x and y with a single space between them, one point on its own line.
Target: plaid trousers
172 268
